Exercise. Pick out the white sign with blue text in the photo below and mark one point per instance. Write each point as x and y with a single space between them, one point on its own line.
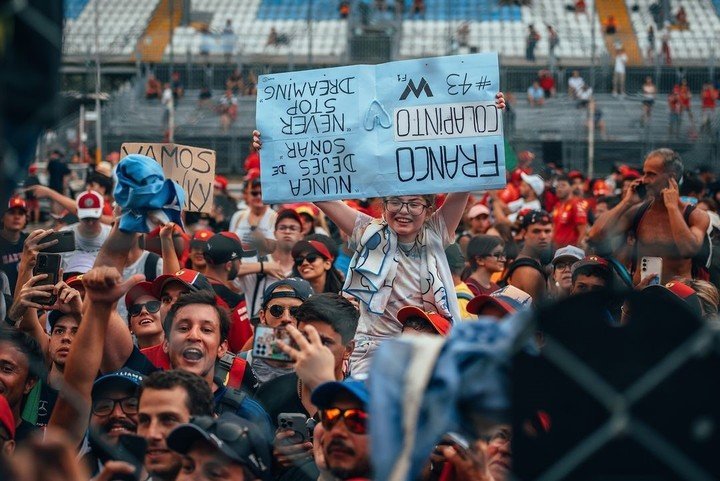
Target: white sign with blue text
411 127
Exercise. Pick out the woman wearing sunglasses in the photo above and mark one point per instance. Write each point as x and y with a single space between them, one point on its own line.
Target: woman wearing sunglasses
486 255
144 315
314 263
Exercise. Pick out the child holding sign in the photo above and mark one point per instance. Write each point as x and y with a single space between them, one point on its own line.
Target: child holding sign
399 260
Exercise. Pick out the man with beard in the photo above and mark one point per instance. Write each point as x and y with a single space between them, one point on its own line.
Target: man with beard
344 419
167 399
223 253
527 272
569 215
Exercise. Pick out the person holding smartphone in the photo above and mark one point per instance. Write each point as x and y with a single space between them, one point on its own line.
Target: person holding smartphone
656 221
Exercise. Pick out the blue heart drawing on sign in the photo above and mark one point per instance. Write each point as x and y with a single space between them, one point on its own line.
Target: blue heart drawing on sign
376 115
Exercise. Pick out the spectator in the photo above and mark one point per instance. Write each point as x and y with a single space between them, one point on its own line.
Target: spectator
584 96
228 109
416 321
255 225
553 42
12 239
531 41
228 445
651 43
657 224
547 83
277 39
561 282
598 121
575 84
456 263
681 19
499 304
685 98
32 202
569 215
418 8
709 98
478 219
580 6
344 9
90 233
143 308
178 90
7 429
621 59
648 99
610 25
204 97
153 88
463 34
536 95
591 274
527 272
235 82
313 262
57 172
168 102
228 41
531 188
665 46
675 111
486 257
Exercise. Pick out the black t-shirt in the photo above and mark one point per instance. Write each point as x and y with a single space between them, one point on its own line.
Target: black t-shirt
24 431
281 396
57 170
140 363
46 404
10 258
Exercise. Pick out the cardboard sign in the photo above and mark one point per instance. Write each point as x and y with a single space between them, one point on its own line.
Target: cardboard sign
191 167
411 127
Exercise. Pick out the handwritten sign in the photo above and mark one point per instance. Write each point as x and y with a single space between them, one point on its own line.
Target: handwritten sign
411 127
191 167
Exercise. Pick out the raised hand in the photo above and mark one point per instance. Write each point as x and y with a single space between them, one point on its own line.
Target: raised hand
314 362
105 285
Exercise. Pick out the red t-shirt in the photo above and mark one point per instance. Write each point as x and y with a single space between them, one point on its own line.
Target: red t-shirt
709 98
157 357
567 216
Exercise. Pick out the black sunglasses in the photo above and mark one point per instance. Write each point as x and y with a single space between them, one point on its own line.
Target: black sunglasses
151 306
277 310
310 258
256 193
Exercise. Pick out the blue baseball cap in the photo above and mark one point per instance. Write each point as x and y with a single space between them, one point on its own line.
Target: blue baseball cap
121 379
295 287
325 394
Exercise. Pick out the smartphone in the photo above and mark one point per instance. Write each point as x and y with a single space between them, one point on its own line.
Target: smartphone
66 242
265 343
650 266
296 422
131 449
47 264
641 190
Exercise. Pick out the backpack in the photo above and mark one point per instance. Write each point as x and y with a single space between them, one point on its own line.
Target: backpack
700 261
231 370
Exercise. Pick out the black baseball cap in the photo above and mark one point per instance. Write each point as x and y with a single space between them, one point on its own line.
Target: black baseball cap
233 436
294 287
535 217
223 247
125 379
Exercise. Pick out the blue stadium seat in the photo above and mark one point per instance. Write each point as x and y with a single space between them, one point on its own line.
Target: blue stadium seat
73 8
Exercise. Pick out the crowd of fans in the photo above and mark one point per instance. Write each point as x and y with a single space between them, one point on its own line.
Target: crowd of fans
239 344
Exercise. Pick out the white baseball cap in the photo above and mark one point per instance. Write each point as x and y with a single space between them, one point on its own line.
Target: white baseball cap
476 210
535 182
571 252
90 205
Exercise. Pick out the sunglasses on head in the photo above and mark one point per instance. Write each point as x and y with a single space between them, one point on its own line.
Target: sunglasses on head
312 257
355 419
277 310
151 306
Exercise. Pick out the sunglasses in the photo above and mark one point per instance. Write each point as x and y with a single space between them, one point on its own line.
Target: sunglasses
277 310
151 306
310 258
256 193
105 406
355 419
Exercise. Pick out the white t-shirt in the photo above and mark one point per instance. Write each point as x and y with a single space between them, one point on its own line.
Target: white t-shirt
137 267
517 205
240 225
576 83
88 245
620 61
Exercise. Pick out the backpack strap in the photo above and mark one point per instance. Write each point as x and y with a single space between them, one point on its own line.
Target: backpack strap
151 263
231 401
634 226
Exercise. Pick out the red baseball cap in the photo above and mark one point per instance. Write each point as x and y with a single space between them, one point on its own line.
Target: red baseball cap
17 203
200 238
144 288
441 324
220 182
7 420
313 246
75 281
90 205
193 280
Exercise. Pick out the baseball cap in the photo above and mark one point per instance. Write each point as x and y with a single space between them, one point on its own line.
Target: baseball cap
200 238
236 438
121 379
312 246
17 203
220 182
74 281
89 205
535 217
223 247
590 261
54 316
6 417
144 288
535 182
253 176
568 252
193 280
298 289
678 290
325 394
287 214
509 298
307 210
476 210
439 322
576 174
66 217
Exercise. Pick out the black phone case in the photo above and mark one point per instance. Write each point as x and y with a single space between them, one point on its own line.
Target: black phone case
47 264
66 242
